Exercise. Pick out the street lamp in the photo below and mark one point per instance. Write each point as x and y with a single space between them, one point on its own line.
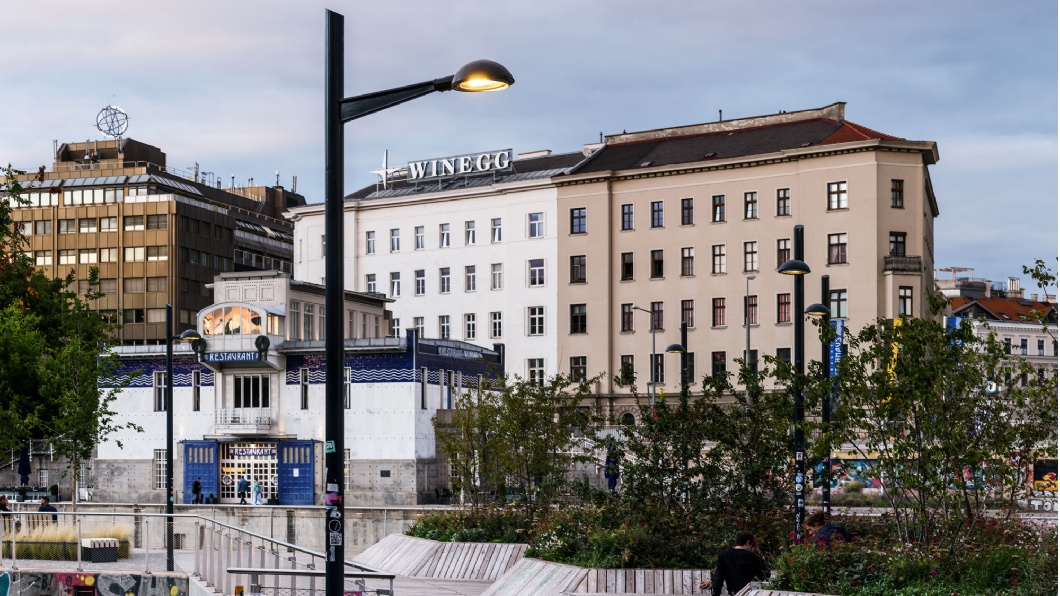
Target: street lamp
747 321
682 349
819 309
651 368
797 268
481 75
189 334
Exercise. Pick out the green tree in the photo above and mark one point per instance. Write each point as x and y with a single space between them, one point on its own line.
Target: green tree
21 346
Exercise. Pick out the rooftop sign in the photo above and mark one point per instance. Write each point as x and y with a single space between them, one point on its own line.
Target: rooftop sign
461 165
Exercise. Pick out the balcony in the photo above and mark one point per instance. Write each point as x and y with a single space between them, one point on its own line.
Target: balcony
903 264
243 420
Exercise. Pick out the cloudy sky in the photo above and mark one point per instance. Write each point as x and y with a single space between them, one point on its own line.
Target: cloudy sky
237 86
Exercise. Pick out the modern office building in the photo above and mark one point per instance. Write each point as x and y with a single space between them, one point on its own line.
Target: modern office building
158 235
249 401
683 224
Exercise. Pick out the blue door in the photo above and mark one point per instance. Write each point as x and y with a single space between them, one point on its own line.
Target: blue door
200 461
295 482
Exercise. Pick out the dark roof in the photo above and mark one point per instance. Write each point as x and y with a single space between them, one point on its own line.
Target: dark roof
726 144
523 169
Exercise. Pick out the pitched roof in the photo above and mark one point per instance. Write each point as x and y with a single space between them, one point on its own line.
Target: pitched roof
1003 309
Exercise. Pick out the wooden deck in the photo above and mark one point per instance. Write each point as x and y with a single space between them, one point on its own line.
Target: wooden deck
419 558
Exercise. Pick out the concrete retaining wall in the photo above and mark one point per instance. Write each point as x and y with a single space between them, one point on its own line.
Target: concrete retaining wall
31 582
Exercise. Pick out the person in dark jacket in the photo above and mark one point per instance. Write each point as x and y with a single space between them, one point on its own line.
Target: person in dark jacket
823 532
196 491
242 488
737 566
47 507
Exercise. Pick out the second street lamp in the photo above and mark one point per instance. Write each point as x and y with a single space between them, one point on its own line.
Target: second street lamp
819 309
481 75
651 368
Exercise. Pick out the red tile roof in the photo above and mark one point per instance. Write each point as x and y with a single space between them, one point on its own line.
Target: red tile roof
1004 309
849 132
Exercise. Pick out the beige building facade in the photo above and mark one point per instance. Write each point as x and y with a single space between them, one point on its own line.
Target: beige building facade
676 221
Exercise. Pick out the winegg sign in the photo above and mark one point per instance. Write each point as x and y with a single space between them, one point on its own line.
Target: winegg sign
461 165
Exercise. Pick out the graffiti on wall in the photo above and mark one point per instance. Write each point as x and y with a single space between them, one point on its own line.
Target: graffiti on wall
48 583
1044 486
849 470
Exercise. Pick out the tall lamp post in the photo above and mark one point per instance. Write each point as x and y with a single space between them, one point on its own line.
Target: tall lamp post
820 309
798 268
187 335
481 75
682 349
651 368
747 321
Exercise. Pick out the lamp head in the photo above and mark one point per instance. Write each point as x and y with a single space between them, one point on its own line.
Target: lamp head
675 349
482 75
189 334
794 267
817 310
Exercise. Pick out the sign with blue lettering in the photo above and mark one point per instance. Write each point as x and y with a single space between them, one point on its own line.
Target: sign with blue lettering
836 348
231 357
252 451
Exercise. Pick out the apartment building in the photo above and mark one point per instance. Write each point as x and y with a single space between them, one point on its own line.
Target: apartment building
157 234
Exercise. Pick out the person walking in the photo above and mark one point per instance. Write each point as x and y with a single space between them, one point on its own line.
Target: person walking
47 507
242 488
257 492
737 566
196 491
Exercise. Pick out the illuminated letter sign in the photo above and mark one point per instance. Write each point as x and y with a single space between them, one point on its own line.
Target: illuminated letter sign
461 165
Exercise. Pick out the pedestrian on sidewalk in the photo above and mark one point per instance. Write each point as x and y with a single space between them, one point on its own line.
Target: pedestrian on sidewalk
242 488
196 491
257 492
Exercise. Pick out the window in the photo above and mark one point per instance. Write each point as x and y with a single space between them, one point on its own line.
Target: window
469 233
657 264
496 325
535 371
750 256
577 269
536 320
421 282
627 216
905 301
688 215
67 256
132 315
157 253
157 284
627 317
161 458
688 262
838 298
718 319
897 244
470 326
252 391
690 367
87 225
627 266
717 266
783 308
750 205
657 316
627 369
417 322
784 355
108 255
158 222
495 229
421 238
308 322
108 224
837 249
718 208
443 235
134 253
1023 348
369 243
1008 345
496 276
688 313
837 195
577 220
783 251
443 327
295 319
578 318
1041 347
133 222
160 391
43 226
783 201
196 398
133 285
443 280
658 375
395 240
898 194
751 310
469 278
537 225
395 284
369 282
578 368
67 226
303 382
537 272
86 255
108 286
717 363
656 214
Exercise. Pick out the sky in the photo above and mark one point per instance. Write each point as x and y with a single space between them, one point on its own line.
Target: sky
238 87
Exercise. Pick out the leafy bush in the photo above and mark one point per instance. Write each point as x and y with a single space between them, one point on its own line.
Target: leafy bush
494 524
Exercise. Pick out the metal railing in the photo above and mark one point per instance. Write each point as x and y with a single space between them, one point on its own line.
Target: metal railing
902 263
243 419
